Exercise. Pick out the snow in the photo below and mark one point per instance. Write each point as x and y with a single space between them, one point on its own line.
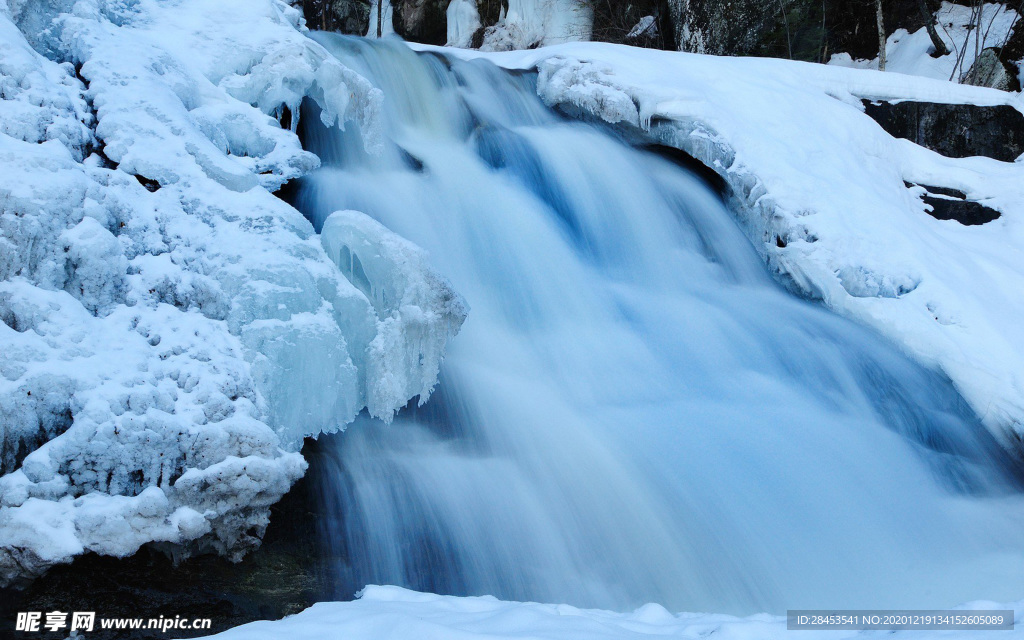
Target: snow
531 23
171 330
382 613
809 170
910 53
41 101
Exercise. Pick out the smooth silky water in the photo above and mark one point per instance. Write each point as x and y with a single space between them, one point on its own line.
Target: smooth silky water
634 411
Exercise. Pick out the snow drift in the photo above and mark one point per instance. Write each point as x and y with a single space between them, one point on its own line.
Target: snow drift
171 330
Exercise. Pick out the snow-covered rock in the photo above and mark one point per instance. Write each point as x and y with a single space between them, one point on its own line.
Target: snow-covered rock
386 613
171 330
821 189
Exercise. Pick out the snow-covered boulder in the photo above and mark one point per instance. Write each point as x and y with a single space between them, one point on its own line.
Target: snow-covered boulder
170 329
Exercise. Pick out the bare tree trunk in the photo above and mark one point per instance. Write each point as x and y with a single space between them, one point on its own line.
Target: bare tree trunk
785 20
823 58
380 19
880 19
929 24
977 29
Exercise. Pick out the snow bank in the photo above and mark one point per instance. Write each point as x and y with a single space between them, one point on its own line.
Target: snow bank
910 53
170 329
531 23
382 613
819 187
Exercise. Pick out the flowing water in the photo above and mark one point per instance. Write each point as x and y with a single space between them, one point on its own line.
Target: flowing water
634 411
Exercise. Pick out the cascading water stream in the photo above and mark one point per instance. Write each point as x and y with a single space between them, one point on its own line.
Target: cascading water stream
633 411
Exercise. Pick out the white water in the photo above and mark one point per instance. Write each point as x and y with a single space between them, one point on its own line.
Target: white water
634 411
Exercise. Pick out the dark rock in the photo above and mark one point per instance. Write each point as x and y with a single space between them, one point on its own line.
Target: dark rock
810 30
851 24
490 11
342 16
1012 50
614 20
950 204
422 21
956 131
478 38
688 162
150 184
740 27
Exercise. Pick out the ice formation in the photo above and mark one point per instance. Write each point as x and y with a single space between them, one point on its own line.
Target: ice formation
416 310
463 20
532 23
171 330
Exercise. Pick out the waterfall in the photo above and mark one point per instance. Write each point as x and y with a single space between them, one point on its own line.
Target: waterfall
634 411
